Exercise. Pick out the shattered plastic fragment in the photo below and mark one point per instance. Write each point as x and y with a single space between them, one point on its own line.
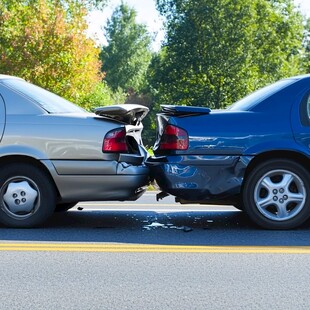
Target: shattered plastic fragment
187 229
169 226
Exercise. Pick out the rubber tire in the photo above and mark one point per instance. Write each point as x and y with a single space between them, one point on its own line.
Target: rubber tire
46 191
248 194
63 207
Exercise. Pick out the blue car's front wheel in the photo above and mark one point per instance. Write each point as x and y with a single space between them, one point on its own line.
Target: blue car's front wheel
276 194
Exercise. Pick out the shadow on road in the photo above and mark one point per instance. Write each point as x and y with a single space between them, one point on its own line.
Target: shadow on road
148 227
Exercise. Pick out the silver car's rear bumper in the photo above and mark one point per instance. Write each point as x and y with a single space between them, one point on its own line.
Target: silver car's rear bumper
98 180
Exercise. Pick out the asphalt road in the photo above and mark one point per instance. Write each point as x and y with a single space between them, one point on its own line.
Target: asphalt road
150 255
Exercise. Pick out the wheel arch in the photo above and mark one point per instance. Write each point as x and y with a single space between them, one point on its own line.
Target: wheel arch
279 154
11 159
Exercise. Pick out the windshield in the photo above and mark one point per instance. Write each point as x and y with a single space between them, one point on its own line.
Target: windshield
48 101
251 100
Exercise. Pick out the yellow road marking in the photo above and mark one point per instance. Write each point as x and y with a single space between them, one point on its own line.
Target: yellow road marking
138 248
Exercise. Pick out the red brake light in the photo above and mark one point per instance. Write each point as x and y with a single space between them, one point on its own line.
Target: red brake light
174 138
115 141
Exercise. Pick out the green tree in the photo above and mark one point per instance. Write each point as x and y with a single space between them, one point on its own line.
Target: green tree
307 45
218 51
127 55
44 42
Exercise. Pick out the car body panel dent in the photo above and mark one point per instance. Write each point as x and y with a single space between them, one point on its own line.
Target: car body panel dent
124 168
199 178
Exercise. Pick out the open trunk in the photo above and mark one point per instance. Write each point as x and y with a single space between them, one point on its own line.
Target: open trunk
169 115
179 110
131 116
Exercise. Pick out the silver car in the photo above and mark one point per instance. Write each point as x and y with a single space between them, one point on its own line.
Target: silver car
54 154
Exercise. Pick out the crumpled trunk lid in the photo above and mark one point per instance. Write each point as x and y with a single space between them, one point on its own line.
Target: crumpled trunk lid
170 114
180 110
129 114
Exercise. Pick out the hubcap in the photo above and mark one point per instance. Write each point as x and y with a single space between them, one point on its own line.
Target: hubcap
20 197
280 195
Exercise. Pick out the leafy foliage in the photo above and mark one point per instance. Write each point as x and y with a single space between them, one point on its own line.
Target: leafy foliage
307 45
44 42
99 4
102 95
127 55
218 51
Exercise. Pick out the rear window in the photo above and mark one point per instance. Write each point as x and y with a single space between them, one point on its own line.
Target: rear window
251 100
305 110
48 101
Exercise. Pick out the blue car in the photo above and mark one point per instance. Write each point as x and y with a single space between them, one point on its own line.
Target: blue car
254 155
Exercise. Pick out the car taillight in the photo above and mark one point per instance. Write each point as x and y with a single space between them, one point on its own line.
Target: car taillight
174 138
115 141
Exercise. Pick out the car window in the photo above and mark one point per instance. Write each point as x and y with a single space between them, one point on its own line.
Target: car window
305 110
251 100
48 101
308 107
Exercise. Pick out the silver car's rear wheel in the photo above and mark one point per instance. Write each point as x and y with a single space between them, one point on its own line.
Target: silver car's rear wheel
27 195
276 194
21 197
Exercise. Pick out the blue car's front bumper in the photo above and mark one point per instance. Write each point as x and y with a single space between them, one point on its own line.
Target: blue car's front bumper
200 178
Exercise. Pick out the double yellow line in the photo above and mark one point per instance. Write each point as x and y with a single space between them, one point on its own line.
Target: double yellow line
145 248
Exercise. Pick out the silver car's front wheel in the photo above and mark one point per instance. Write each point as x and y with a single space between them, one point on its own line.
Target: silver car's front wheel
276 194
27 195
